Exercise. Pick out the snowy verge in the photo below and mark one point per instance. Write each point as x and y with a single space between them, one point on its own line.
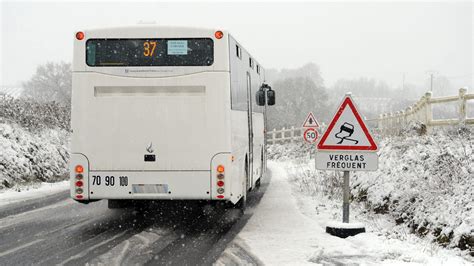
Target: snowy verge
22 193
30 157
288 228
425 184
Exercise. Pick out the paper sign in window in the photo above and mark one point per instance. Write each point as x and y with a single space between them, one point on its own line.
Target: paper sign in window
177 47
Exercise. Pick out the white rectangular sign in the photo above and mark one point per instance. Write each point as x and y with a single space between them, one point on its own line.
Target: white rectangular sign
347 161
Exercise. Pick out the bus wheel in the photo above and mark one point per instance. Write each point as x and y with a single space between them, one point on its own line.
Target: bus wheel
257 184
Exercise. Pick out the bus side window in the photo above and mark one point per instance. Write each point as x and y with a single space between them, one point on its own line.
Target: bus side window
238 52
251 62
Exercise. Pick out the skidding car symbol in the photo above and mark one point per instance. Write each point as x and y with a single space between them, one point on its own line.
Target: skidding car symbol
345 132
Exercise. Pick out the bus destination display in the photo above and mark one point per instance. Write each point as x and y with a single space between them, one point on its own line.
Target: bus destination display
149 52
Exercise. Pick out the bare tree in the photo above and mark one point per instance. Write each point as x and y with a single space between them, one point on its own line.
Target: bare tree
296 96
51 82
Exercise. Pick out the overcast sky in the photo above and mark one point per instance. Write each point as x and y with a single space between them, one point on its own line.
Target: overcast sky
347 40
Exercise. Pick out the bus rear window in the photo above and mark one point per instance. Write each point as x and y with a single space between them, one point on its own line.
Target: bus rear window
149 52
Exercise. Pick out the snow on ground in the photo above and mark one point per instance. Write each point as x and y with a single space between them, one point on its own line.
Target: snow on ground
28 157
22 193
424 183
34 140
288 228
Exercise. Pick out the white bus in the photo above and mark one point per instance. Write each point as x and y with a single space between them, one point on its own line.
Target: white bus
166 113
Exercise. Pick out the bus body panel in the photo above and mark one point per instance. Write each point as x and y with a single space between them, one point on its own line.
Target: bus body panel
240 71
184 121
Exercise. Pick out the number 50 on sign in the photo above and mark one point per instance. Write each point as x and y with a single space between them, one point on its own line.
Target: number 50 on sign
310 135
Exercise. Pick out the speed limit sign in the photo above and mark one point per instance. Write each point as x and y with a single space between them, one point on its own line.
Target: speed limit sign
310 135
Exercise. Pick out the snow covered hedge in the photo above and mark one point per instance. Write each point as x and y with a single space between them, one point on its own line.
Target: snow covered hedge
425 182
34 139
34 116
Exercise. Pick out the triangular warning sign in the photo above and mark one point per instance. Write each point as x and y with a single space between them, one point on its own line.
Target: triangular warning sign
310 121
347 130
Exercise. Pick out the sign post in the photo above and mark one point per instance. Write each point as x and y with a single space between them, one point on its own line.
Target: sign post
346 145
346 196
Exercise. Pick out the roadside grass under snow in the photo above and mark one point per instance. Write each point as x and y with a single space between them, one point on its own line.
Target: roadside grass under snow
425 184
34 140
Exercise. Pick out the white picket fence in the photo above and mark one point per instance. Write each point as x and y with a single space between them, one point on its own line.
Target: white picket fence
422 111
392 123
289 134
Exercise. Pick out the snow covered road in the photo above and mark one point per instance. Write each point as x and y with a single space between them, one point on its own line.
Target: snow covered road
53 229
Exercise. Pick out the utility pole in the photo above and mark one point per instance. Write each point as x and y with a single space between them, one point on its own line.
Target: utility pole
431 86
403 82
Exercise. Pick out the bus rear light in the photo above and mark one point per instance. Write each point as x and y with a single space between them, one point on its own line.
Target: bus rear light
79 190
220 168
79 169
80 35
79 176
220 190
220 176
79 196
220 183
218 196
219 34
79 183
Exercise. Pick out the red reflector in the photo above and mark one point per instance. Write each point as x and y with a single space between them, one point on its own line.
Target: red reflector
79 196
219 34
80 35
220 196
220 183
79 183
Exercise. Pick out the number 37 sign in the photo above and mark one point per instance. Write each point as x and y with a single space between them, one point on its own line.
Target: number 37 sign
310 126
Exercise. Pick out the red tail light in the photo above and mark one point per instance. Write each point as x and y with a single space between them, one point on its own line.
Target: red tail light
220 196
79 183
220 183
79 196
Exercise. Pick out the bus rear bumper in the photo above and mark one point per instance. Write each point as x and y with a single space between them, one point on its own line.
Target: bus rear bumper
153 185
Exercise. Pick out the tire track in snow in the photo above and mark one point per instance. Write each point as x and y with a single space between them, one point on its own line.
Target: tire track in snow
137 249
204 241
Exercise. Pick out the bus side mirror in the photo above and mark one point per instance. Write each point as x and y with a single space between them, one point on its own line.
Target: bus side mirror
271 97
260 97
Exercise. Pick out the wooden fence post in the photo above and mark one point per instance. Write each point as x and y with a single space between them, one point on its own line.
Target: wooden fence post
462 106
403 119
380 123
428 110
399 122
274 136
292 133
